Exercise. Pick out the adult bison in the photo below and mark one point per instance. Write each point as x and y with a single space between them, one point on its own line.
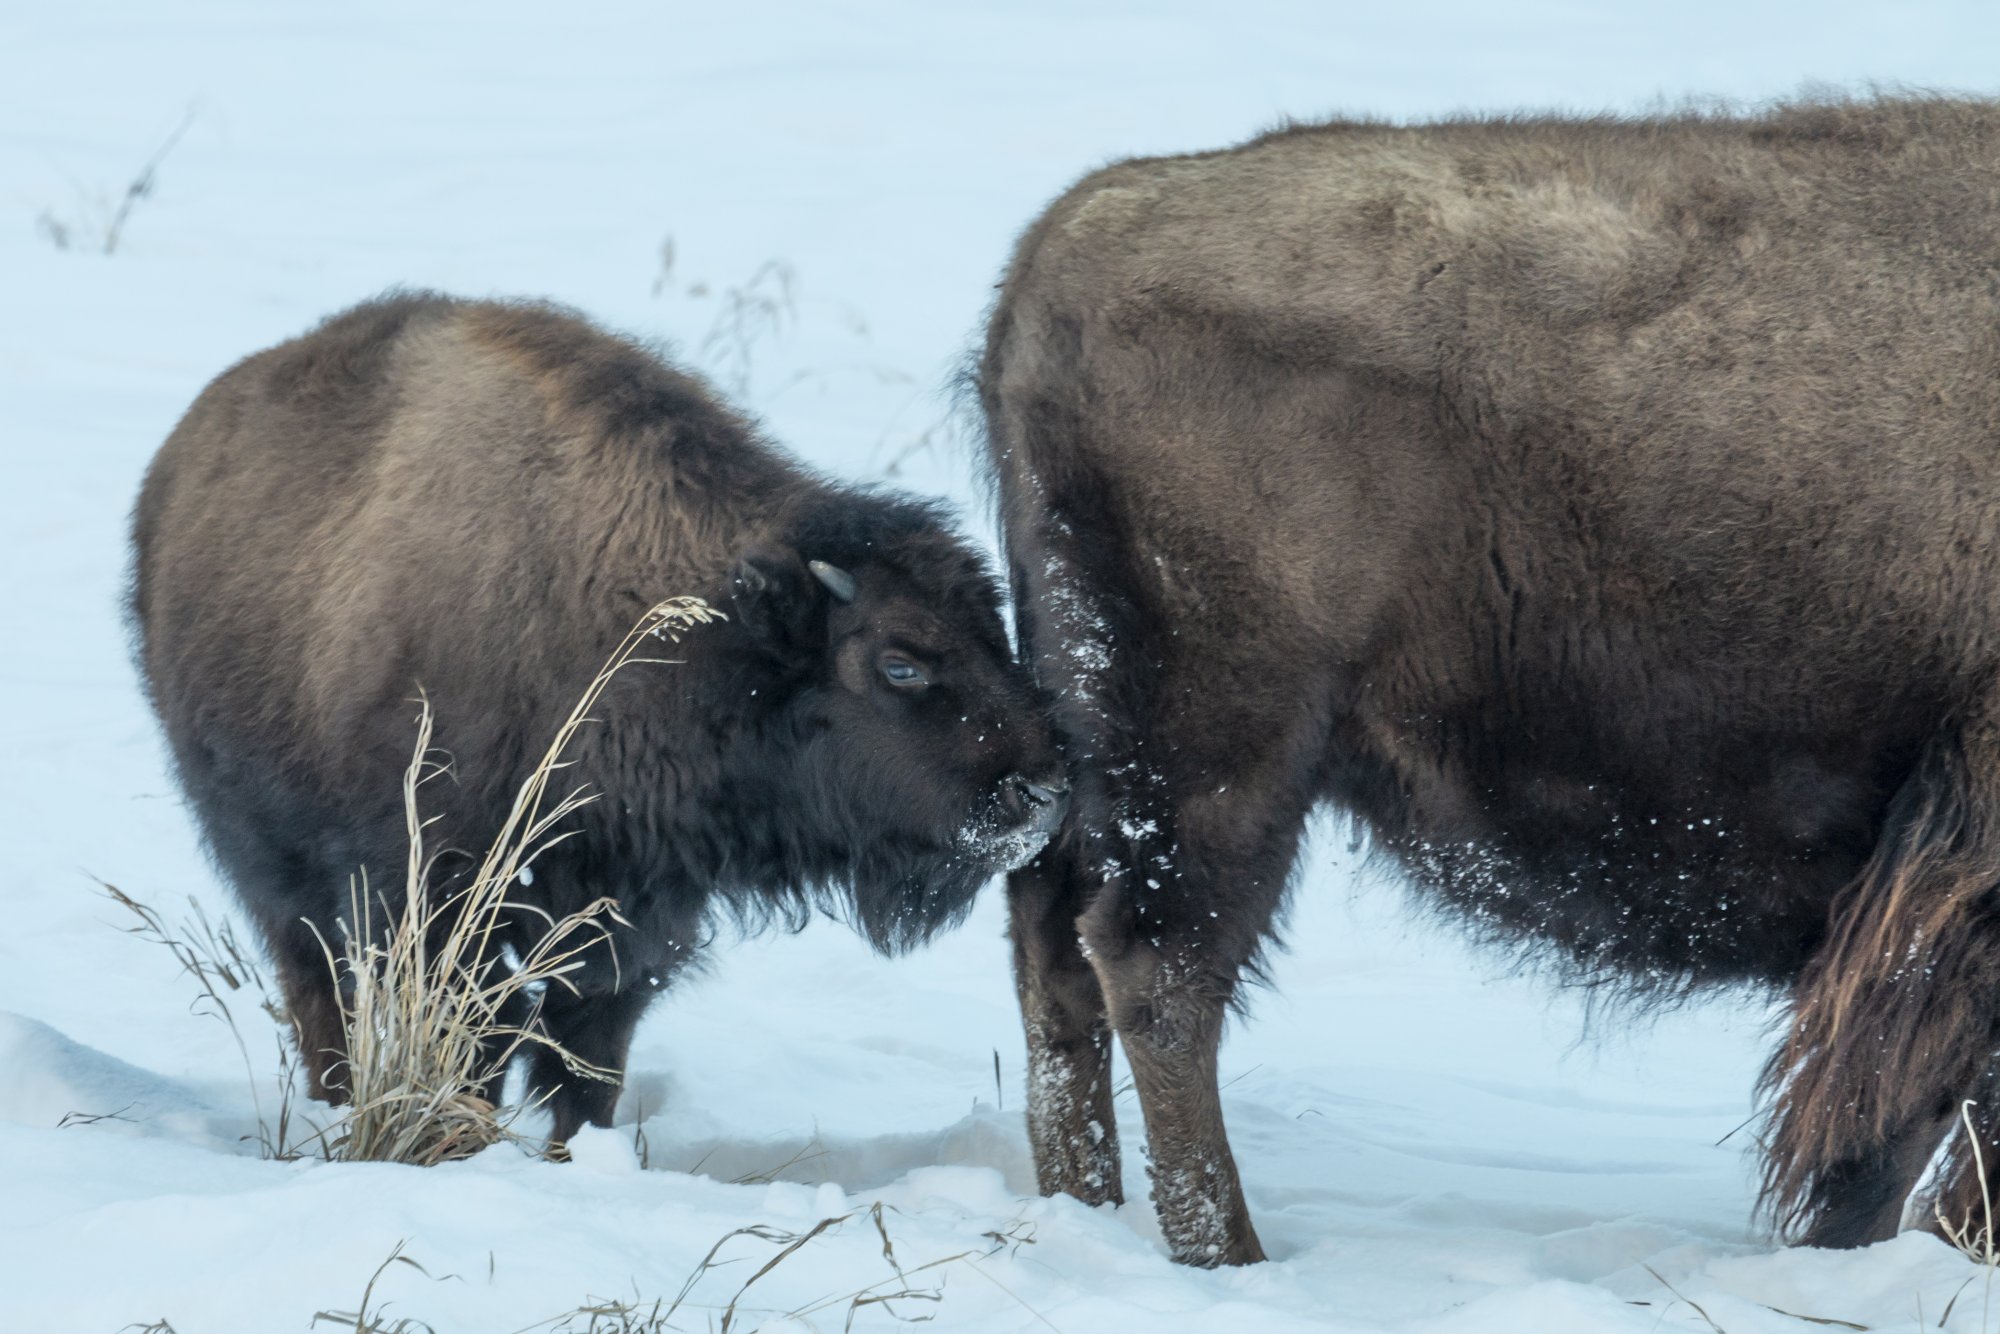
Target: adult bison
478 500
1605 513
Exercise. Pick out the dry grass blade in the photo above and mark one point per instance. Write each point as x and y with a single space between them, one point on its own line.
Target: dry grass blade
883 1293
364 1320
426 1000
882 1231
1017 1234
758 309
92 1118
1946 1317
641 1147
863 1300
880 1293
99 223
141 186
790 1247
708 1262
1016 1297
1706 1318
210 953
1974 1239
599 1316
810 1151
1827 1320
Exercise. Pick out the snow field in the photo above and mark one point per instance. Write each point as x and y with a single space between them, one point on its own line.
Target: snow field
1426 1144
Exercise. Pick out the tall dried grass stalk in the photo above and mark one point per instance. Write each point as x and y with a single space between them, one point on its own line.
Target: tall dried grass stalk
210 953
1973 1237
431 1004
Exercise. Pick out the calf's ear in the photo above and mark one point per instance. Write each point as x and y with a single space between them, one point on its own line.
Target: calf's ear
776 598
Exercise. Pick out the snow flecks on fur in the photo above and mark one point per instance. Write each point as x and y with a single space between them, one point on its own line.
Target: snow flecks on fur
1196 1229
1633 915
1062 1095
1004 847
1078 626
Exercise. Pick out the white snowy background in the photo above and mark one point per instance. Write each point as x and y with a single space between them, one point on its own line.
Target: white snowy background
1428 1143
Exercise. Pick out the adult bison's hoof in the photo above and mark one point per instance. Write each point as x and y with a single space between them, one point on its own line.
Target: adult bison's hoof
1213 1253
1207 1234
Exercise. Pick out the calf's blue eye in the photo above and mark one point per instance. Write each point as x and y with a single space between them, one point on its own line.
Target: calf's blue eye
902 672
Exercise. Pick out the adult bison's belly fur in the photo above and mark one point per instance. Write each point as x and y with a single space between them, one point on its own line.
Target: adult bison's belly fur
1708 853
1606 514
476 501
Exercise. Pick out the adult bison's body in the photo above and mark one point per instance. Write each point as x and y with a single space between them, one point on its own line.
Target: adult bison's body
478 500
1604 512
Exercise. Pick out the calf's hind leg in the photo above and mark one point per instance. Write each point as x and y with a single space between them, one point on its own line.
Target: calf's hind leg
1071 1125
1898 1015
312 1003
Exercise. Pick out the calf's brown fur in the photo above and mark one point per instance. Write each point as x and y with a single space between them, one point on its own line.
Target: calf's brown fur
1605 513
478 500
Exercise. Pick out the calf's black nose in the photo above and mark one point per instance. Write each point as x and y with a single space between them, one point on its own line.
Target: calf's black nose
1042 802
1045 792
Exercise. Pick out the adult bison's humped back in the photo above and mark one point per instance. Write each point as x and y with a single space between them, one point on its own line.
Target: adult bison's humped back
1605 512
478 500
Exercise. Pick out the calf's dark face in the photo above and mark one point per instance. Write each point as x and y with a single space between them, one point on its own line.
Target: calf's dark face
921 763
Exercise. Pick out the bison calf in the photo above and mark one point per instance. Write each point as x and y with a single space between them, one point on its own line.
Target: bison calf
1606 513
478 500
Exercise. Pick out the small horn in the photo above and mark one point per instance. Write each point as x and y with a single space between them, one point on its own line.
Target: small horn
838 581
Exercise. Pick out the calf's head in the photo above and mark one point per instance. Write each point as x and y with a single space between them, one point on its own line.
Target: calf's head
906 752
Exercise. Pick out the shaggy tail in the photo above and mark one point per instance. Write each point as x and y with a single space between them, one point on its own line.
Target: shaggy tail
1896 1016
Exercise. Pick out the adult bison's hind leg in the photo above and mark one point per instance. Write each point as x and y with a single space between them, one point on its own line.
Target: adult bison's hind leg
1071 1125
1898 1016
1859 1199
1170 935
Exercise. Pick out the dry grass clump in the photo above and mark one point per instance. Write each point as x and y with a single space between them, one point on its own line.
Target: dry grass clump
436 1007
436 1004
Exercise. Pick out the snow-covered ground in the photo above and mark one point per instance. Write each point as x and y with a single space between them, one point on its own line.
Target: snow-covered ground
1427 1143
